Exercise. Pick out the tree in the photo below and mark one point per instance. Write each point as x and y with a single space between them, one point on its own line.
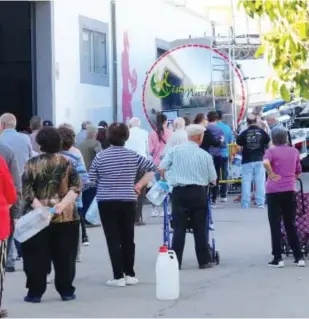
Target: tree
286 45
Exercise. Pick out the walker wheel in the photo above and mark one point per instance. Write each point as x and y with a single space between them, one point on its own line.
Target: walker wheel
217 258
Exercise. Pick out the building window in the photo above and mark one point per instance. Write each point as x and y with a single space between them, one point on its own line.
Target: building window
94 53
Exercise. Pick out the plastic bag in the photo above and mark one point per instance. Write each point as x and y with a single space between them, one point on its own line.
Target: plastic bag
158 193
92 215
32 223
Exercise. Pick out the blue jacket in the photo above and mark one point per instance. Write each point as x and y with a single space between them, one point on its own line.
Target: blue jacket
228 138
78 164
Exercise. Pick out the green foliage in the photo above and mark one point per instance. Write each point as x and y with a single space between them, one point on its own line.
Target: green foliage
286 45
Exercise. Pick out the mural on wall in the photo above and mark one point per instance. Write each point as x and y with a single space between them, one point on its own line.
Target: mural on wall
129 80
183 81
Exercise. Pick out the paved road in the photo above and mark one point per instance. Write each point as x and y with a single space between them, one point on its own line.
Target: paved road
242 286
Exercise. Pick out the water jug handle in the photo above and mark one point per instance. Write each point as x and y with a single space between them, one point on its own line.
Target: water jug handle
52 210
172 254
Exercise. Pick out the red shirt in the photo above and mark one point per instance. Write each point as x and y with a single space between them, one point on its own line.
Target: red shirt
8 197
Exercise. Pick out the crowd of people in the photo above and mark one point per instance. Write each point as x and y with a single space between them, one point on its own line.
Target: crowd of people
115 165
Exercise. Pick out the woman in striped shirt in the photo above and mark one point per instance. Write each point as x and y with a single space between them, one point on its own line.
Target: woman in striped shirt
114 171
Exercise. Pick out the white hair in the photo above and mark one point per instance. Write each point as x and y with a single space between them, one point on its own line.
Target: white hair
92 131
272 116
195 130
134 122
179 123
8 119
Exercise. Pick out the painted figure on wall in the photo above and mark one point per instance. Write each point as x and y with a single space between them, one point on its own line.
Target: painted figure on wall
129 80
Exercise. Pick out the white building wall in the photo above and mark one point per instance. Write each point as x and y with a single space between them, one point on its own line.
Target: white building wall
145 21
74 101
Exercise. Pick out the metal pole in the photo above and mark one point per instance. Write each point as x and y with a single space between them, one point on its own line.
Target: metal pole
211 66
114 59
233 93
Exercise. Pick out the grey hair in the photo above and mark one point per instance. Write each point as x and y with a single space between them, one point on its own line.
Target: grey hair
85 124
36 123
272 116
134 122
179 123
279 136
92 131
9 120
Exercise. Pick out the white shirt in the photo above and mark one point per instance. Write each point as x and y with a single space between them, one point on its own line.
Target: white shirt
138 141
178 137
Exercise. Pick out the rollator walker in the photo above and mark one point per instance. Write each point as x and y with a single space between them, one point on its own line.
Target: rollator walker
168 231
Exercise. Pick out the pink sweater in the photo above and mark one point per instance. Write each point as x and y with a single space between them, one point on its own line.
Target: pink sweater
156 147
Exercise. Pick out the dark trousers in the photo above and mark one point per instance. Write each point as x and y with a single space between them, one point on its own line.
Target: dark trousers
190 200
88 196
18 248
57 243
118 224
3 253
83 225
224 176
139 205
215 189
283 205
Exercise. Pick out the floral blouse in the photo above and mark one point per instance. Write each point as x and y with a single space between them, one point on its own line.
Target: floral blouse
49 177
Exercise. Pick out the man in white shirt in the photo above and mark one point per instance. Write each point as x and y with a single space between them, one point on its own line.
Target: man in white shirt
138 142
138 139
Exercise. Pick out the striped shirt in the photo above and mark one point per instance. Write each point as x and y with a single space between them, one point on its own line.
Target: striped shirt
114 170
188 164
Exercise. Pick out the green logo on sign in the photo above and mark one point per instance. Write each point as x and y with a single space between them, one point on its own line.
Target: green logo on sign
160 88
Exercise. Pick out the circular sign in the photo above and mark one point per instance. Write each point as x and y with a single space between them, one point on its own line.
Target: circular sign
191 79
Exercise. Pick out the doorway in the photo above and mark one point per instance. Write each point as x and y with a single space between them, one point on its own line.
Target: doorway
16 80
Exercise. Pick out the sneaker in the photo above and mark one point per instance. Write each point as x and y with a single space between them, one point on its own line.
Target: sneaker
130 281
48 279
4 313
32 299
116 283
211 226
260 206
205 266
275 263
154 213
68 298
85 243
300 263
223 199
19 259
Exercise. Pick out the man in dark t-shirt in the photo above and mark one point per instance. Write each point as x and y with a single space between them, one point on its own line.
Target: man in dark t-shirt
254 142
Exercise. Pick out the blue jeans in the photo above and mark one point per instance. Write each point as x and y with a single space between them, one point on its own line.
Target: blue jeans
253 172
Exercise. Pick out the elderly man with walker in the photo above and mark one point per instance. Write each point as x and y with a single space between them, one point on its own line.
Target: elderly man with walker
190 170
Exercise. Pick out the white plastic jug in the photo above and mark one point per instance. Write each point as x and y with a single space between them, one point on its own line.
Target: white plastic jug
32 223
167 275
158 192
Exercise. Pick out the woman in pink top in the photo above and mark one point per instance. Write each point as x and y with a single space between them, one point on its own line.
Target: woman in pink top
282 164
159 138
157 143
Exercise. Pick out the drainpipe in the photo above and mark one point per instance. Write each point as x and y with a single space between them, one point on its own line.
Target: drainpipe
114 60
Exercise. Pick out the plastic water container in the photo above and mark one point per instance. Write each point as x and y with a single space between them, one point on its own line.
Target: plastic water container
32 223
93 215
158 192
167 275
